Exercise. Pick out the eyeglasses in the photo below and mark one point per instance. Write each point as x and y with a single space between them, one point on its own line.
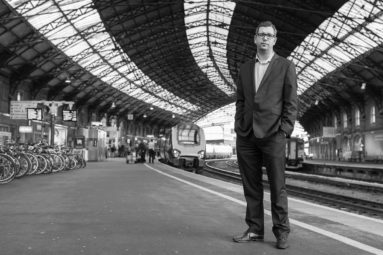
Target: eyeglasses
266 36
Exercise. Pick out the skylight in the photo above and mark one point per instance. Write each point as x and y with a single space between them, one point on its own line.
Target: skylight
207 31
356 28
75 27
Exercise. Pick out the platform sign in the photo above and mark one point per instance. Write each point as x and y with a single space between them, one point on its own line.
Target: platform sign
25 129
79 142
69 115
34 114
19 109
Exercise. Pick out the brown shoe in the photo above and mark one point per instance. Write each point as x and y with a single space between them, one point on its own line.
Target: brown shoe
247 237
282 242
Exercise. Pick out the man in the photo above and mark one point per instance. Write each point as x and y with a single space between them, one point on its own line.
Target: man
152 153
266 109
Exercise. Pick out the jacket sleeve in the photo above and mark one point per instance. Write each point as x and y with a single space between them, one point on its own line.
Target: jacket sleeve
290 101
240 102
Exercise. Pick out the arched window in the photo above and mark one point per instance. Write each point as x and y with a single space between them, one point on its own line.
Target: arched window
372 114
345 120
357 117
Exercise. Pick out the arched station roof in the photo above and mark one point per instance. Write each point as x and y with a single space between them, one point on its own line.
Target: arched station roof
174 60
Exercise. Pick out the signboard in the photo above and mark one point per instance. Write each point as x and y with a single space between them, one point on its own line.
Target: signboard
19 109
96 123
25 129
130 116
79 142
328 132
69 115
34 114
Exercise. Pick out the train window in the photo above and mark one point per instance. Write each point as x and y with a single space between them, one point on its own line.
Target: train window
189 135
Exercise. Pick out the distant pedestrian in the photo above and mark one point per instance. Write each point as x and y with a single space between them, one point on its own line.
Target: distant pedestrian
152 153
142 151
113 151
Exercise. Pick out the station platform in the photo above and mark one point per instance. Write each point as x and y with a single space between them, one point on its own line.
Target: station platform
364 171
363 165
112 207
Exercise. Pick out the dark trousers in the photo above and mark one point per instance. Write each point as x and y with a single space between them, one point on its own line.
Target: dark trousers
152 155
252 153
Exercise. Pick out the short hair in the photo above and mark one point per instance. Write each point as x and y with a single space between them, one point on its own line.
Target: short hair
266 24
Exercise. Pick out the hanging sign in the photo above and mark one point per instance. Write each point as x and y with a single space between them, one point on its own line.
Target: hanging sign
19 109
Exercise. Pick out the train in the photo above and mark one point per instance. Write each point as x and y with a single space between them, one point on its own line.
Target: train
294 153
183 146
218 151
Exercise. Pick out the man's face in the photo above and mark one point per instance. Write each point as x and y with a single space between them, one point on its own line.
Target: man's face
265 38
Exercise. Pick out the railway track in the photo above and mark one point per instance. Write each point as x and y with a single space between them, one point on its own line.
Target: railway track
341 202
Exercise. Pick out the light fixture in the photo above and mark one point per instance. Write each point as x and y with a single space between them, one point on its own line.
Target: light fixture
18 96
67 80
151 108
316 102
145 116
113 105
363 86
173 116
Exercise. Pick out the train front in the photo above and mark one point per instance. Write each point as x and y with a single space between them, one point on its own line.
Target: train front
188 146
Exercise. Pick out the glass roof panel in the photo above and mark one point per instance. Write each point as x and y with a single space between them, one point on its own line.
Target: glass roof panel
216 35
336 34
70 39
42 20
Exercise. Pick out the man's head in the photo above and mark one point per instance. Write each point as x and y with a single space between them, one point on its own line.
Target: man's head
265 36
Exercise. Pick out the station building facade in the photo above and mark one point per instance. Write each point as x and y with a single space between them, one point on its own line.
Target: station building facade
93 131
349 133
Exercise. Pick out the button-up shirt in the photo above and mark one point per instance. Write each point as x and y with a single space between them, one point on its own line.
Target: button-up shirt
260 69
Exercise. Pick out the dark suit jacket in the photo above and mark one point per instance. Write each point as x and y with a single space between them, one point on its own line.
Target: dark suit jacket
274 106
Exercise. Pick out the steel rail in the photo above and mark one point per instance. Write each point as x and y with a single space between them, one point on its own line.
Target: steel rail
341 202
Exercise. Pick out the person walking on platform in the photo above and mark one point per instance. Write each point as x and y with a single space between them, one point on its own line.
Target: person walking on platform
152 153
142 152
266 109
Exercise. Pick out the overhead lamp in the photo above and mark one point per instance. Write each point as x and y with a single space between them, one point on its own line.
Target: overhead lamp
67 80
145 116
316 102
113 105
363 86
18 96
151 108
173 116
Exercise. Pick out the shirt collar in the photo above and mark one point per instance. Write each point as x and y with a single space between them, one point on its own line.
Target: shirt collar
264 61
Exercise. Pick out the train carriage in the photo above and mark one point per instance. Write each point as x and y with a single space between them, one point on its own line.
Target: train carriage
184 146
294 153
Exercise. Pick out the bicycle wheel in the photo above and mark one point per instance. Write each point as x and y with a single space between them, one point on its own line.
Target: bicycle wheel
49 168
25 165
7 169
35 163
72 162
58 163
42 164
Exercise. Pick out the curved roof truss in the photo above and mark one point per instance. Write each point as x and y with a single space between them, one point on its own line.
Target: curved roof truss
181 57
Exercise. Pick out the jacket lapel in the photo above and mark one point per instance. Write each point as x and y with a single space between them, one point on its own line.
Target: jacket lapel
268 70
